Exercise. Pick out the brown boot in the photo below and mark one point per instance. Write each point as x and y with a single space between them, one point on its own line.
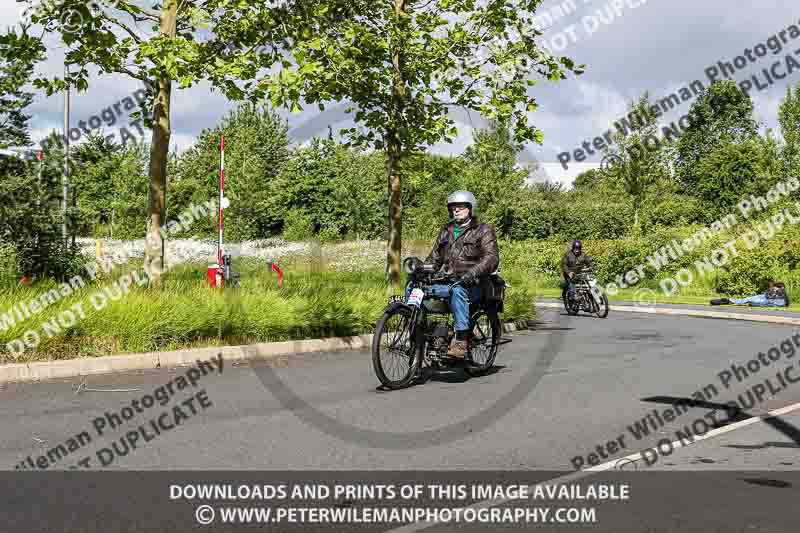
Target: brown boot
458 349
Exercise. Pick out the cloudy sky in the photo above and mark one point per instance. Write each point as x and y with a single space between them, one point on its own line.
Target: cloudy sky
628 46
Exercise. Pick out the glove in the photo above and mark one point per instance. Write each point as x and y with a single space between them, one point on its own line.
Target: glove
469 279
571 275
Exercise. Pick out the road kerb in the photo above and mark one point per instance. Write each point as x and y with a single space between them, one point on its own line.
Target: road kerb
69 368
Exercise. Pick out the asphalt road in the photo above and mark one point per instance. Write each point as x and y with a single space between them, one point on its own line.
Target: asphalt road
605 376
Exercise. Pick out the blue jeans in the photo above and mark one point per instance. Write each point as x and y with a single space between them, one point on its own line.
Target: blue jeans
760 300
570 287
460 299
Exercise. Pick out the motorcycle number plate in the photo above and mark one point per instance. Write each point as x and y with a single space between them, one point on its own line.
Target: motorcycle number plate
415 298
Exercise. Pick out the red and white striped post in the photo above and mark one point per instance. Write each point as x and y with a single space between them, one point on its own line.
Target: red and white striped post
215 277
221 195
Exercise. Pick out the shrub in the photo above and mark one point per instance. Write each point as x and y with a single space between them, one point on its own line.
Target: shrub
32 219
538 218
674 211
9 267
299 226
746 274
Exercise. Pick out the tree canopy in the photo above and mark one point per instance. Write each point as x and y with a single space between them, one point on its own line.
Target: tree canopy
19 52
723 114
403 64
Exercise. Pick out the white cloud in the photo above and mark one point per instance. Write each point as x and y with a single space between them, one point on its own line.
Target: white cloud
659 46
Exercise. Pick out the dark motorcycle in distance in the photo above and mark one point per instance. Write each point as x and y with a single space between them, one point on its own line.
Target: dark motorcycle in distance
416 330
587 297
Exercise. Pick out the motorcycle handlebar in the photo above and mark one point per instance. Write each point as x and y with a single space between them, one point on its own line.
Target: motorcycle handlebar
443 279
436 277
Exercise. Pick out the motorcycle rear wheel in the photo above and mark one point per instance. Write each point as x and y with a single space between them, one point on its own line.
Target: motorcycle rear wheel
486 333
395 338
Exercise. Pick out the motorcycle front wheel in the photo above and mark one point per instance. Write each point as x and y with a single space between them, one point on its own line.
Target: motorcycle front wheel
602 310
394 348
573 305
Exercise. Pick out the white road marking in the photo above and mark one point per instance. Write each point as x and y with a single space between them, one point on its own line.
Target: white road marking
751 317
698 438
419 526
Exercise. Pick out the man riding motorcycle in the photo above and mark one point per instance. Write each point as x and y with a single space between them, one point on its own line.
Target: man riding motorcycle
572 262
467 249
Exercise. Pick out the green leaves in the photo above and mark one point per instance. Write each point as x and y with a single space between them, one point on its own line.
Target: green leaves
401 70
789 119
18 55
721 115
635 166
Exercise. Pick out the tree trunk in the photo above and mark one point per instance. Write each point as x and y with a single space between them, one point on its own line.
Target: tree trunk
159 148
394 248
394 152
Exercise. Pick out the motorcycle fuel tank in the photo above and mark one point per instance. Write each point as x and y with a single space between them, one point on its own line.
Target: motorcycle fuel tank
434 305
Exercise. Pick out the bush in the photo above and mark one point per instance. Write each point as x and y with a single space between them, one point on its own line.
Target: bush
299 226
568 217
9 268
773 260
672 212
620 257
747 274
32 220
531 258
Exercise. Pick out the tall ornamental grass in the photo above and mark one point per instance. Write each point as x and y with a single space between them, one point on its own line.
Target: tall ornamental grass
313 303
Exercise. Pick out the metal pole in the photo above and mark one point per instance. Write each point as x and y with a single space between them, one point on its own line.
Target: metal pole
40 157
65 198
221 194
164 220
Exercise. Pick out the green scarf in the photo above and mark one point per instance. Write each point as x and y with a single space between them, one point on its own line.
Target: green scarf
459 229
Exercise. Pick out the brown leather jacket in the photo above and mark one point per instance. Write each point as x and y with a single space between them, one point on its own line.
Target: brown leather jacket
474 251
572 263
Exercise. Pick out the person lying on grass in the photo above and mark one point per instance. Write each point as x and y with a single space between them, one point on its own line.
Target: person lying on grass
774 297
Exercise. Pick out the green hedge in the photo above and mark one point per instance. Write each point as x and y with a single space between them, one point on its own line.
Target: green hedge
747 273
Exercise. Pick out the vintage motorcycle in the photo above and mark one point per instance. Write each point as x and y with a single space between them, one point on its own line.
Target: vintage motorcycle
416 329
587 297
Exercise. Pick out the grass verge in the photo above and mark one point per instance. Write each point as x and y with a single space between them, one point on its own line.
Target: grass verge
314 303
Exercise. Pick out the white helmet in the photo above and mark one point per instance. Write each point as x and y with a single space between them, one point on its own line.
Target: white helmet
463 197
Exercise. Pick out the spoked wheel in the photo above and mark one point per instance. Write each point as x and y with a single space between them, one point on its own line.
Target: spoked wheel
484 342
602 310
573 305
394 350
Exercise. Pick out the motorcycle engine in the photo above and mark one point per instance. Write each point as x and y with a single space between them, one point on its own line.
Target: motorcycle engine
440 345
440 341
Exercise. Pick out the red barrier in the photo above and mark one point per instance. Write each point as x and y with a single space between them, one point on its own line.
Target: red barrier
214 277
276 268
